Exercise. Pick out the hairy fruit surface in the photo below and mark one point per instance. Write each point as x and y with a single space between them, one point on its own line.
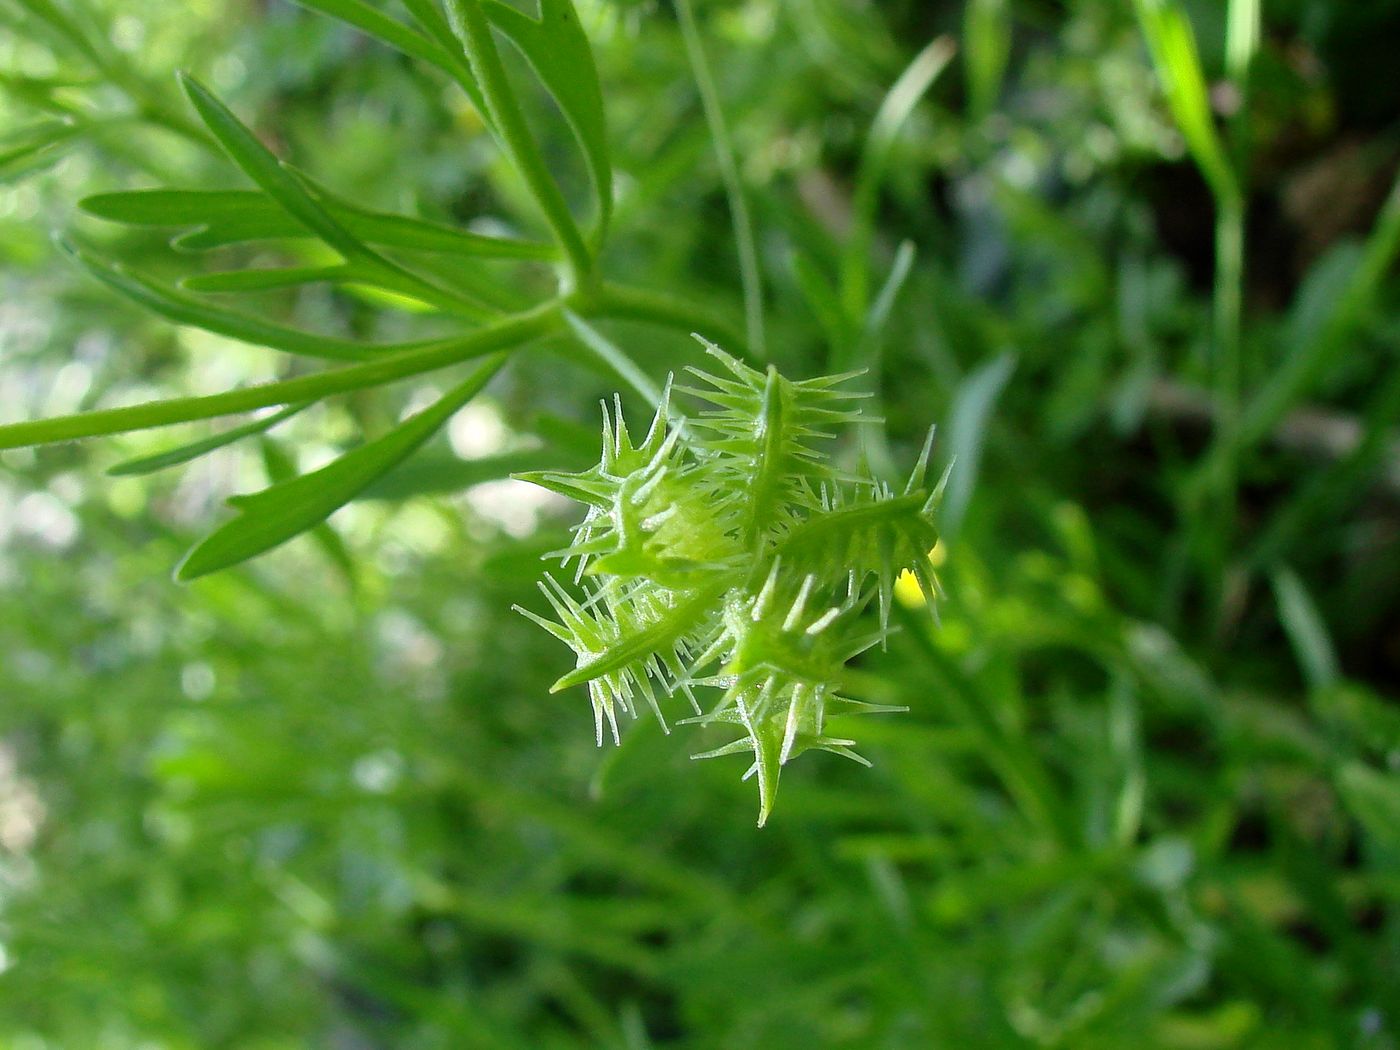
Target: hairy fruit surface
725 559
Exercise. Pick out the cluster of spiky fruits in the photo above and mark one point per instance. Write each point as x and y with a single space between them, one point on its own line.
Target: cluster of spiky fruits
724 555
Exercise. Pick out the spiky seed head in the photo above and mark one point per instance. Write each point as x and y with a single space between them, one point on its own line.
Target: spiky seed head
726 559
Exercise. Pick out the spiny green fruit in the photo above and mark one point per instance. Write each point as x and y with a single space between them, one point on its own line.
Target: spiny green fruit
725 555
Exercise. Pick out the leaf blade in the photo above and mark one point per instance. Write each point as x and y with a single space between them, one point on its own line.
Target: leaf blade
183 309
182 454
558 50
275 515
1175 56
386 30
223 217
264 168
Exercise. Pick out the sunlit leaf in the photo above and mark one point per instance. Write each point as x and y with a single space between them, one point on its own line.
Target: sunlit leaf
269 518
1178 65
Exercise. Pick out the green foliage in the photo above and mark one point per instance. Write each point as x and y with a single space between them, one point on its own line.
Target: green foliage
290 203
275 515
1138 260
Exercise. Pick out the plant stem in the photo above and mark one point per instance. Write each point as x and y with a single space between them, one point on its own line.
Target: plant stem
1228 306
614 357
473 31
1241 43
749 272
544 320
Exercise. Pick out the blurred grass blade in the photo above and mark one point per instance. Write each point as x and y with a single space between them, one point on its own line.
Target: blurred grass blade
269 518
1242 35
750 274
35 147
64 28
825 303
883 305
185 453
1374 799
1331 491
967 431
1125 750
866 355
1306 630
559 52
182 309
894 111
1177 61
224 217
1334 317
1306 363
987 48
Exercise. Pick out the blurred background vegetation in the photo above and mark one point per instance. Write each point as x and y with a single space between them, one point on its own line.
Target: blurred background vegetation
1148 790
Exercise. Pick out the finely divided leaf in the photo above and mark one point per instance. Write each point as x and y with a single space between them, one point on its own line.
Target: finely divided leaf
185 453
557 49
222 217
397 362
263 167
183 309
264 279
290 190
269 518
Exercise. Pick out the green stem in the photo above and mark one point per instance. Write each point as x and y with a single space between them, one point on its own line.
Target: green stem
542 321
1228 305
473 31
547 319
749 273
